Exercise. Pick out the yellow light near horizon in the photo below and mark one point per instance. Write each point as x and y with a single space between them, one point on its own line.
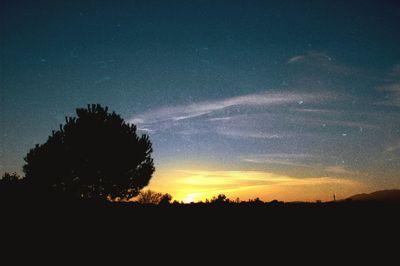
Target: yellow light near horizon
199 185
192 197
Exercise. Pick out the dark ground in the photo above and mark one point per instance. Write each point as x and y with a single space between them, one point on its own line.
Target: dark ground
239 217
229 232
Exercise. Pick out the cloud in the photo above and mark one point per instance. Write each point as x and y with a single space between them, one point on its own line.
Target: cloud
268 116
296 58
195 185
317 111
321 62
296 160
219 119
354 124
350 124
310 56
395 72
184 112
329 117
338 169
249 133
147 130
392 91
391 88
283 124
393 147
248 178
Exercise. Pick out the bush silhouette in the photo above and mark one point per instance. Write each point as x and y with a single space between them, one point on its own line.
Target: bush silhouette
9 179
11 187
221 198
95 155
149 197
165 199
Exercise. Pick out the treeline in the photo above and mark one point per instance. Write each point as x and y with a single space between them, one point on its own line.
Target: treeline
15 188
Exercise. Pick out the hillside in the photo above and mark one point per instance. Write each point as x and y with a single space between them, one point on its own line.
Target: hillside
392 195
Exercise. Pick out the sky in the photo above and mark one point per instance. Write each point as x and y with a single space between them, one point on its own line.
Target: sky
288 100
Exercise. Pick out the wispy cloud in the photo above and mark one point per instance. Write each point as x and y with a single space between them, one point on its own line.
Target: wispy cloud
183 112
391 88
296 58
317 111
338 169
350 124
219 119
395 71
283 124
249 133
296 160
321 61
392 97
310 56
248 178
393 147
251 116
198 185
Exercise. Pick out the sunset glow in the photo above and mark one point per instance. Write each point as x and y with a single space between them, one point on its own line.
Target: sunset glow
196 185
286 100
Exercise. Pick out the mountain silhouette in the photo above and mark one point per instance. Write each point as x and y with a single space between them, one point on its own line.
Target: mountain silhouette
392 195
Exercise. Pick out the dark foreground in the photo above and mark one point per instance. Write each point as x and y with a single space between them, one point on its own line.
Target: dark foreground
241 217
203 232
334 228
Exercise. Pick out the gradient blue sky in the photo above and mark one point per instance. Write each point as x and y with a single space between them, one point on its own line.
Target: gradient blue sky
274 99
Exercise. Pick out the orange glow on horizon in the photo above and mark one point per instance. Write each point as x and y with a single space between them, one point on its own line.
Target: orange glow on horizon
199 185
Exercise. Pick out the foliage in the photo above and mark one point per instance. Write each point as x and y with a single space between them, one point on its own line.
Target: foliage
221 198
165 199
8 178
152 197
11 186
95 155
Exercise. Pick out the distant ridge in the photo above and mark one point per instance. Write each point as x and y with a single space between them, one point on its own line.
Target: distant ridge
392 195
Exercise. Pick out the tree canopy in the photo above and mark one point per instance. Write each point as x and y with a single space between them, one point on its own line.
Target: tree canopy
152 197
11 186
94 155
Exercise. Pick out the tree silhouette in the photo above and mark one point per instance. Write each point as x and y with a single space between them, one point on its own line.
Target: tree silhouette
95 155
11 187
165 199
152 197
221 198
8 178
149 197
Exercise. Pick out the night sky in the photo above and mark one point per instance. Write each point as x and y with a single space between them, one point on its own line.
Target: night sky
289 100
